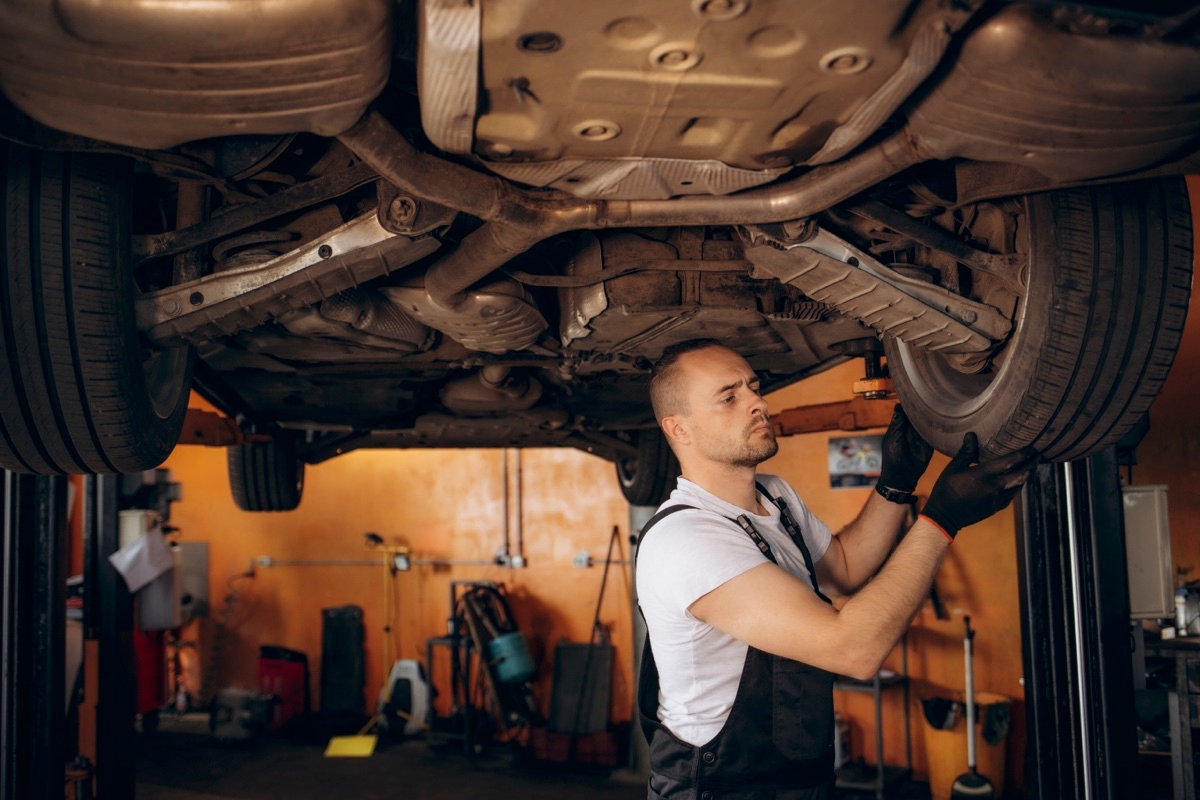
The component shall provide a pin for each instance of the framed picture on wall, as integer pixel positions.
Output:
(854, 461)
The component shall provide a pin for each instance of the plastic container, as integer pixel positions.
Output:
(511, 654)
(946, 749)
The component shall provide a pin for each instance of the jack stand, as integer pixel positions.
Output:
(875, 385)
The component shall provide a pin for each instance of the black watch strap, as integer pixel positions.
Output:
(895, 495)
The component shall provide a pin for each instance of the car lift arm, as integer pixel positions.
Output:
(857, 414)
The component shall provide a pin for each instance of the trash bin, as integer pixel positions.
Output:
(946, 739)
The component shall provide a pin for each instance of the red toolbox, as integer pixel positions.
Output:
(284, 673)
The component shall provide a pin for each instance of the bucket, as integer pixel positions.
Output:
(511, 656)
(946, 749)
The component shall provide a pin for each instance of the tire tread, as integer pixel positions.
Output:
(73, 395)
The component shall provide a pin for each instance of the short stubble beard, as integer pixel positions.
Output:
(756, 452)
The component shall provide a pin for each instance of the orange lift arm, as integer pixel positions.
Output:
(857, 414)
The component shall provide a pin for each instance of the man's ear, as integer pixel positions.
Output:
(675, 431)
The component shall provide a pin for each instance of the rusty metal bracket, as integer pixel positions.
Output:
(212, 430)
(401, 212)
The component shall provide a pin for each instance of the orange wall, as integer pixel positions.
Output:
(444, 504)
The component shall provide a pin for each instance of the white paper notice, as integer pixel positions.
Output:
(143, 559)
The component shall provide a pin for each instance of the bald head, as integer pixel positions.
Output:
(667, 395)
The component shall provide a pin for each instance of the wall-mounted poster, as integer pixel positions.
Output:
(855, 461)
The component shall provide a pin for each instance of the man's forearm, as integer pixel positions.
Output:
(867, 540)
(878, 614)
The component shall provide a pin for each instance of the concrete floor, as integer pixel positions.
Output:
(183, 762)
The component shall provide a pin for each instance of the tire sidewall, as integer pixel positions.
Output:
(156, 434)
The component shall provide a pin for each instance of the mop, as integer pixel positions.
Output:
(971, 784)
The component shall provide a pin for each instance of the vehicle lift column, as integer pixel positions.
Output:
(1074, 589)
(33, 574)
(108, 633)
(33, 701)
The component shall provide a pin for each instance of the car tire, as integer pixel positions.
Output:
(648, 478)
(79, 393)
(265, 476)
(1109, 275)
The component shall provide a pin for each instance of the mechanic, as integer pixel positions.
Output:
(736, 690)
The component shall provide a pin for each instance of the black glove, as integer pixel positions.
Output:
(965, 494)
(906, 454)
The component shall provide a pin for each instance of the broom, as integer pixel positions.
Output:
(970, 784)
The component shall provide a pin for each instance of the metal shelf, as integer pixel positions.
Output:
(863, 777)
(854, 777)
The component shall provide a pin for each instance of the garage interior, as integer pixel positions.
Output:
(397, 561)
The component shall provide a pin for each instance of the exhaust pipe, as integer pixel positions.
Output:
(517, 219)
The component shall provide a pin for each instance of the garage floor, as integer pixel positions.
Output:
(182, 762)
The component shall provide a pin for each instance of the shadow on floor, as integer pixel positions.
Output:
(183, 762)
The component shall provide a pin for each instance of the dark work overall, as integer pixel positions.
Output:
(777, 743)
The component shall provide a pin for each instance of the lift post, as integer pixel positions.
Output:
(1074, 590)
(33, 574)
(108, 622)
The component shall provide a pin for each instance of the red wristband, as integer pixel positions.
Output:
(949, 538)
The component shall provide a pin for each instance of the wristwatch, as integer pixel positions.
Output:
(895, 495)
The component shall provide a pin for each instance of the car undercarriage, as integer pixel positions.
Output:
(446, 224)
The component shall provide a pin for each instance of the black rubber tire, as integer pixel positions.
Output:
(265, 476)
(648, 478)
(75, 395)
(1110, 273)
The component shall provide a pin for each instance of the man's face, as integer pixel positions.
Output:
(726, 416)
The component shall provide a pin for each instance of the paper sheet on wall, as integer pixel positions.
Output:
(143, 559)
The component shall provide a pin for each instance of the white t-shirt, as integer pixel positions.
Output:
(683, 558)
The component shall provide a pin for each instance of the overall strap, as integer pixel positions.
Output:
(793, 530)
(744, 523)
(657, 518)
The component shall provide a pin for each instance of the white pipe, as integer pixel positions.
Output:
(1085, 726)
(519, 561)
(268, 561)
(504, 489)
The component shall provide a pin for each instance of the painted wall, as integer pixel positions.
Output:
(444, 504)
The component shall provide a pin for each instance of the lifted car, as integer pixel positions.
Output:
(367, 223)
